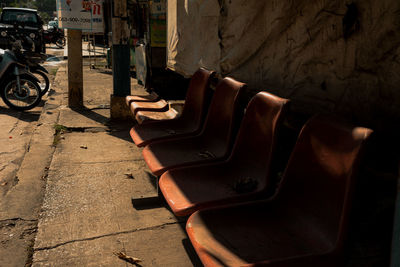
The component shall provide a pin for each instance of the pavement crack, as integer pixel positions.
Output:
(107, 235)
(15, 125)
(8, 152)
(107, 162)
(17, 219)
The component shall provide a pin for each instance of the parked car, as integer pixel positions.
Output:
(32, 26)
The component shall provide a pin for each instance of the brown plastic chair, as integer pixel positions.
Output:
(145, 117)
(305, 223)
(153, 97)
(244, 176)
(192, 117)
(160, 105)
(211, 144)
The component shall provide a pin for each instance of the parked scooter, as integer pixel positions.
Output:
(27, 56)
(54, 35)
(33, 60)
(19, 88)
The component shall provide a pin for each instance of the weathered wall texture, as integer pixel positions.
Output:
(326, 55)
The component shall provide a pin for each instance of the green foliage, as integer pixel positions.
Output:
(45, 17)
(59, 131)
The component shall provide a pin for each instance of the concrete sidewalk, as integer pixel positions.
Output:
(88, 213)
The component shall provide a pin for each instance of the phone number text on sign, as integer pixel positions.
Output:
(80, 20)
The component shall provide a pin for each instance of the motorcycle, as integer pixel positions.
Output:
(32, 60)
(19, 88)
(26, 55)
(54, 35)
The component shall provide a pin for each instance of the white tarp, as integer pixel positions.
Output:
(213, 36)
(192, 35)
(86, 15)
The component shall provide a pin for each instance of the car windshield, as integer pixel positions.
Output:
(20, 16)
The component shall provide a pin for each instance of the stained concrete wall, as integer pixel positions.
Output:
(326, 55)
(326, 58)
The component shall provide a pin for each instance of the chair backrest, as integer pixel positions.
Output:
(318, 184)
(198, 97)
(257, 135)
(224, 111)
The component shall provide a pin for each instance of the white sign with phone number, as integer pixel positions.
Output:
(85, 15)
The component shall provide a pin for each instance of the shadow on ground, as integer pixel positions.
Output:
(28, 116)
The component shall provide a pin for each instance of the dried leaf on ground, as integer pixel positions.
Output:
(126, 258)
(129, 176)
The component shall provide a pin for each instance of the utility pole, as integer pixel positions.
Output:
(120, 60)
(75, 68)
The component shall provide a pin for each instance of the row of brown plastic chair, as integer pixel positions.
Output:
(142, 98)
(150, 107)
(305, 223)
(211, 144)
(191, 120)
(245, 175)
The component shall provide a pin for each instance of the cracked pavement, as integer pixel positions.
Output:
(88, 204)
(108, 235)
(77, 198)
(91, 207)
(21, 186)
(25, 153)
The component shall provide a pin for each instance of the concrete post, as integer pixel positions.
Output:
(120, 60)
(75, 69)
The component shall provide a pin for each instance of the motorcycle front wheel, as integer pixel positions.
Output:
(60, 43)
(28, 98)
(44, 81)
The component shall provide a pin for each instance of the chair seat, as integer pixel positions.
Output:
(161, 130)
(251, 233)
(160, 105)
(151, 116)
(141, 98)
(189, 189)
(181, 152)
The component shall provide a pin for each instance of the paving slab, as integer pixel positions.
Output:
(101, 147)
(83, 118)
(88, 211)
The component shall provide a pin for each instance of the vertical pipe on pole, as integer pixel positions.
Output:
(120, 49)
(75, 69)
(120, 60)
